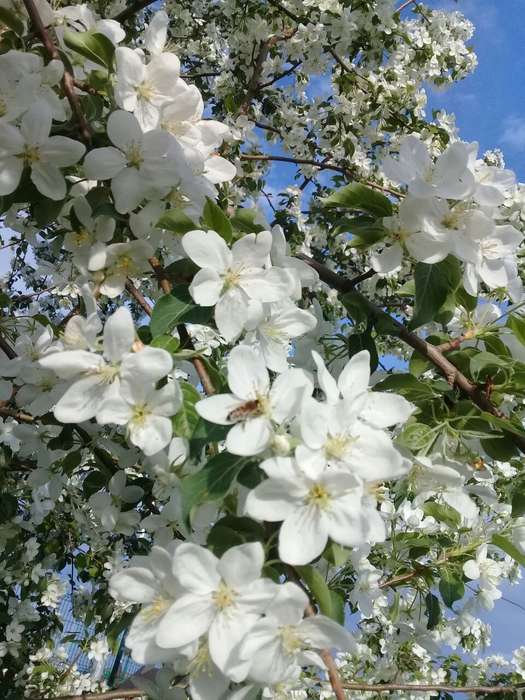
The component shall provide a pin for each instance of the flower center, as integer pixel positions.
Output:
(108, 373)
(81, 237)
(290, 640)
(125, 264)
(319, 497)
(140, 413)
(224, 596)
(201, 662)
(145, 90)
(231, 279)
(156, 609)
(134, 155)
(337, 446)
(30, 154)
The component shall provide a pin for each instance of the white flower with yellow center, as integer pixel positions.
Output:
(148, 581)
(331, 505)
(138, 165)
(222, 598)
(346, 431)
(283, 640)
(145, 411)
(31, 147)
(96, 377)
(230, 278)
(144, 88)
(254, 409)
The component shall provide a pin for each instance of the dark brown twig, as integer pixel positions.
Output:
(68, 82)
(451, 373)
(132, 9)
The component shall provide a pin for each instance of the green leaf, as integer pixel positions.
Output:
(433, 285)
(187, 418)
(244, 221)
(408, 386)
(362, 198)
(451, 587)
(503, 424)
(11, 20)
(518, 503)
(509, 548)
(177, 221)
(93, 482)
(204, 433)
(92, 45)
(212, 482)
(484, 363)
(363, 341)
(174, 308)
(214, 218)
(231, 530)
(336, 554)
(417, 436)
(8, 507)
(166, 342)
(365, 230)
(500, 447)
(433, 610)
(443, 513)
(517, 325)
(320, 591)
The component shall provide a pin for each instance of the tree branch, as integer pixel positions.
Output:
(185, 339)
(132, 9)
(122, 694)
(68, 82)
(451, 373)
(390, 687)
(321, 164)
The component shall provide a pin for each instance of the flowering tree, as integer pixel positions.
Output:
(271, 435)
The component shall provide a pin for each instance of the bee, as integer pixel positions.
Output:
(250, 409)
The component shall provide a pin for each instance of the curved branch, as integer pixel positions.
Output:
(390, 687)
(451, 373)
(68, 82)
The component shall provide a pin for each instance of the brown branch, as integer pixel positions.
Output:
(4, 345)
(123, 694)
(19, 416)
(132, 9)
(139, 297)
(390, 687)
(186, 341)
(451, 373)
(321, 165)
(455, 343)
(406, 4)
(68, 82)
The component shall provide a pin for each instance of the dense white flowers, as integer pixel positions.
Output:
(194, 448)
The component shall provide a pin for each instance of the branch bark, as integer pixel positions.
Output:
(122, 694)
(68, 82)
(132, 9)
(390, 687)
(185, 339)
(451, 373)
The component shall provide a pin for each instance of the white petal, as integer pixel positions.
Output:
(119, 334)
(81, 401)
(104, 163)
(250, 437)
(135, 584)
(188, 618)
(323, 633)
(48, 180)
(382, 410)
(196, 568)
(206, 287)
(148, 365)
(303, 536)
(247, 374)
(217, 408)
(207, 249)
(354, 378)
(269, 501)
(242, 564)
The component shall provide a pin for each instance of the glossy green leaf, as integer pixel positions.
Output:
(212, 482)
(176, 221)
(92, 45)
(509, 548)
(451, 587)
(361, 198)
(433, 283)
(177, 307)
(187, 418)
(215, 219)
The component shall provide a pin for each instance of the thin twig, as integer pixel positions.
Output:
(122, 694)
(321, 165)
(451, 373)
(4, 345)
(390, 687)
(19, 416)
(68, 82)
(132, 9)
(185, 339)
